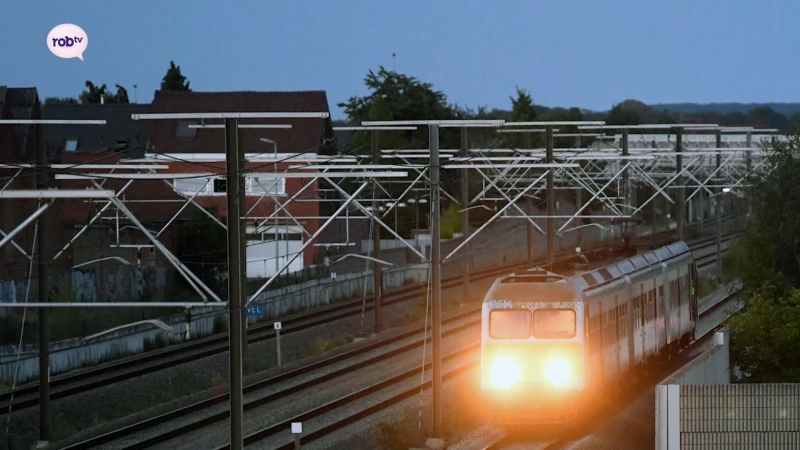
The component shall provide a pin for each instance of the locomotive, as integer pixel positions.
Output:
(551, 343)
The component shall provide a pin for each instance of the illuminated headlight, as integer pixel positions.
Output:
(504, 372)
(557, 371)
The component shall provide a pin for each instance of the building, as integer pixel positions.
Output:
(98, 149)
(17, 152)
(189, 148)
(95, 243)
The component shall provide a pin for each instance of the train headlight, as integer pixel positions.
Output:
(504, 372)
(557, 371)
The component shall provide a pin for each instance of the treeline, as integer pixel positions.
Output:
(99, 93)
(398, 96)
(766, 259)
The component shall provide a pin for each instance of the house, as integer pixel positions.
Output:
(17, 152)
(192, 150)
(107, 246)
(121, 138)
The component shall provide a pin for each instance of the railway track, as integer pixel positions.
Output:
(685, 356)
(205, 413)
(69, 384)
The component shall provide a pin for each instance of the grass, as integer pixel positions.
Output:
(399, 434)
(318, 346)
(459, 415)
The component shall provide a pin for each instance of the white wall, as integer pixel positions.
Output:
(261, 257)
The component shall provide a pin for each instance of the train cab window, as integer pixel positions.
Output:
(553, 323)
(510, 324)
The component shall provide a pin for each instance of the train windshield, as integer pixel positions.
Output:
(554, 323)
(510, 324)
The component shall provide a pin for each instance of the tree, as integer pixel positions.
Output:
(173, 80)
(764, 338)
(100, 94)
(628, 112)
(522, 108)
(396, 96)
(767, 261)
(450, 221)
(407, 97)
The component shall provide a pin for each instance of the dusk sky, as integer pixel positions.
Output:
(583, 53)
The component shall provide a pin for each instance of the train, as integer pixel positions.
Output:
(551, 344)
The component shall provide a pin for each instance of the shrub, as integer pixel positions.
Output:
(318, 346)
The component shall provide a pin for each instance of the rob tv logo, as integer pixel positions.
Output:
(67, 41)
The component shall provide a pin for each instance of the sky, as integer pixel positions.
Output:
(584, 53)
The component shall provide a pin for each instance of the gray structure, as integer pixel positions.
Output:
(698, 409)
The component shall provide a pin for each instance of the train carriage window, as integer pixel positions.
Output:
(510, 324)
(553, 323)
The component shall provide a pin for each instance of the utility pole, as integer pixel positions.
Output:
(436, 281)
(376, 237)
(551, 201)
(465, 215)
(679, 209)
(526, 143)
(43, 182)
(235, 300)
(717, 210)
(242, 166)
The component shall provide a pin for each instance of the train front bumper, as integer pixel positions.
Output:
(532, 405)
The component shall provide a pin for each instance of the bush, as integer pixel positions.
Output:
(318, 346)
(396, 434)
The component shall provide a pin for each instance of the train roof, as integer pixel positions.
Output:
(517, 286)
(636, 263)
(540, 285)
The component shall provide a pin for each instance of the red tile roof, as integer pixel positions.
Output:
(305, 134)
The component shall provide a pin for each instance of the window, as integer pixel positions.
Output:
(70, 145)
(553, 323)
(220, 185)
(510, 324)
(182, 130)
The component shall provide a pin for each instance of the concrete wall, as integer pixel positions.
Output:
(698, 408)
(76, 353)
(109, 283)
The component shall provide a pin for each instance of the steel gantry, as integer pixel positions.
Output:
(604, 171)
(686, 164)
